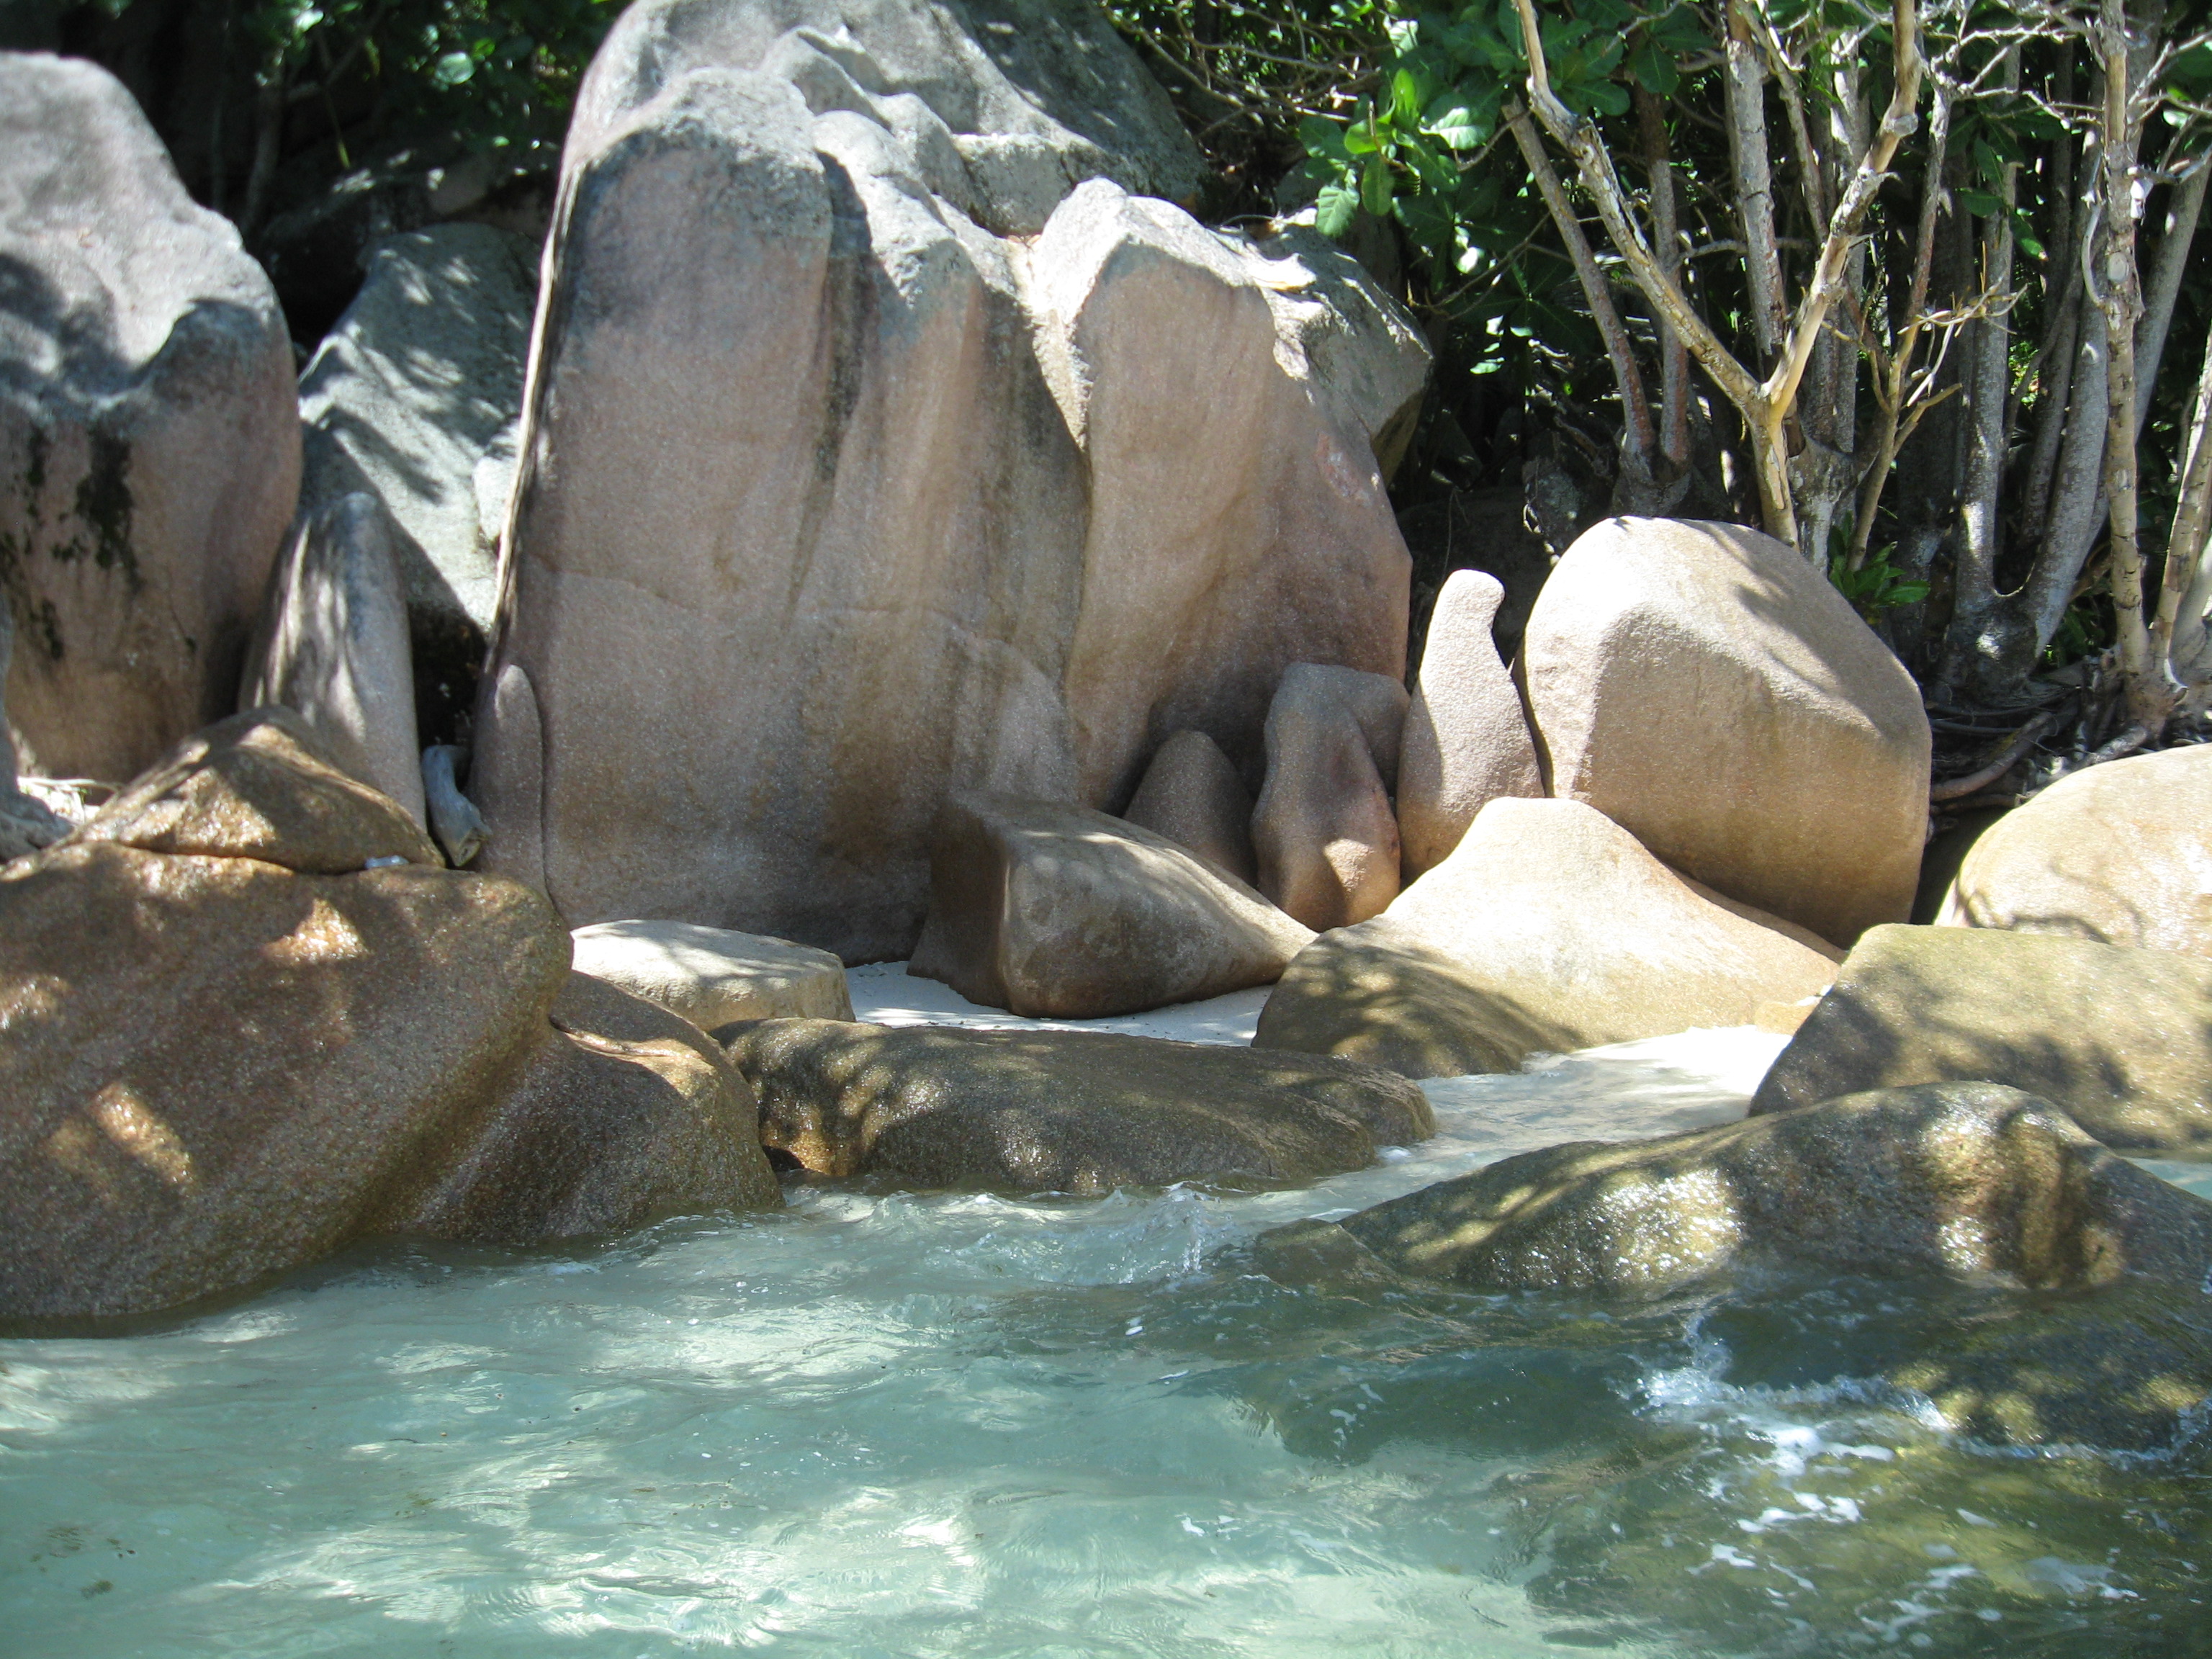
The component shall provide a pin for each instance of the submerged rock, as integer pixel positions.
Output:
(1713, 694)
(2119, 1038)
(1548, 929)
(1057, 913)
(149, 443)
(1062, 1111)
(332, 647)
(1032, 469)
(711, 976)
(1961, 1179)
(1191, 794)
(2121, 854)
(1323, 829)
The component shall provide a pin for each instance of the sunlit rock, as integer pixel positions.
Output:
(1191, 794)
(1466, 738)
(711, 976)
(1323, 830)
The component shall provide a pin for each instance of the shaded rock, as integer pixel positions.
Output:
(1965, 1179)
(1485, 531)
(2121, 854)
(1713, 694)
(149, 450)
(976, 533)
(1063, 1111)
(1192, 795)
(1054, 911)
(26, 823)
(620, 1114)
(1323, 830)
(1547, 929)
(257, 786)
(711, 976)
(419, 384)
(332, 647)
(1467, 738)
(454, 820)
(2119, 1038)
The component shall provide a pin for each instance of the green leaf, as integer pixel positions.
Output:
(1335, 208)
(454, 69)
(1655, 70)
(1375, 186)
(1324, 139)
(1405, 99)
(1980, 203)
(1455, 126)
(1361, 137)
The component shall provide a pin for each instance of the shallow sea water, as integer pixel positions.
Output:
(899, 1423)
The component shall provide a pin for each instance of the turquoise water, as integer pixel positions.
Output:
(901, 1425)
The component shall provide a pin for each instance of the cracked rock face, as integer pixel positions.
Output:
(149, 446)
(887, 436)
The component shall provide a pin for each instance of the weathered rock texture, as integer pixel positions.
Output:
(1549, 928)
(711, 976)
(415, 397)
(1711, 692)
(149, 447)
(1323, 829)
(332, 647)
(25, 822)
(2121, 1038)
(2121, 853)
(1193, 795)
(994, 513)
(232, 1047)
(1058, 912)
(1962, 1178)
(1063, 1111)
(1467, 738)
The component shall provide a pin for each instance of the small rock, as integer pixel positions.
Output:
(2119, 1038)
(1466, 738)
(1547, 929)
(711, 976)
(2121, 854)
(1192, 795)
(1058, 913)
(454, 820)
(1063, 1111)
(1324, 830)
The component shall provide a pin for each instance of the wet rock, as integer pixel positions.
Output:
(1054, 911)
(1192, 795)
(417, 386)
(1547, 929)
(1323, 830)
(1063, 1111)
(2121, 854)
(1045, 469)
(1965, 1179)
(149, 450)
(1711, 692)
(711, 976)
(1466, 738)
(332, 647)
(621, 1112)
(2120, 1038)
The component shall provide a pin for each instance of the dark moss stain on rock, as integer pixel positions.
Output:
(103, 502)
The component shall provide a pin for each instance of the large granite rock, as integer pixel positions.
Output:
(250, 1017)
(149, 447)
(332, 647)
(1029, 476)
(1323, 830)
(1713, 694)
(1547, 928)
(1063, 1111)
(2121, 854)
(26, 823)
(1466, 738)
(710, 977)
(1968, 1179)
(2121, 1038)
(415, 397)
(1059, 913)
(1191, 793)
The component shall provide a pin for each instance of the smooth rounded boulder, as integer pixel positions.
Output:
(2118, 1037)
(1063, 1111)
(1058, 913)
(1714, 695)
(1191, 793)
(712, 976)
(1548, 929)
(1323, 830)
(2121, 854)
(148, 432)
(1467, 737)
